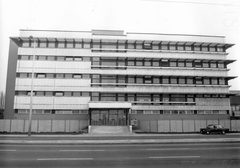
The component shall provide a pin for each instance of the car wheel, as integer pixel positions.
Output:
(223, 132)
(208, 132)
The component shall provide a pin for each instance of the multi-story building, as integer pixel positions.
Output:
(111, 77)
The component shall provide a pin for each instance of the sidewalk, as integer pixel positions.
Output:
(148, 139)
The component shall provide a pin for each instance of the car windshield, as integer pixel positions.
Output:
(219, 126)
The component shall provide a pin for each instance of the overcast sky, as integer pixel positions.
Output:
(202, 17)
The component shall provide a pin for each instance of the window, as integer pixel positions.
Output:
(165, 63)
(69, 44)
(48, 93)
(131, 97)
(121, 97)
(76, 94)
(59, 75)
(22, 93)
(167, 111)
(147, 46)
(143, 97)
(221, 81)
(25, 44)
(121, 79)
(85, 94)
(219, 49)
(41, 58)
(68, 94)
(147, 62)
(121, 45)
(139, 62)
(205, 65)
(196, 48)
(60, 58)
(198, 64)
(181, 63)
(78, 59)
(130, 46)
(173, 63)
(50, 58)
(188, 48)
(23, 75)
(43, 44)
(204, 48)
(178, 98)
(95, 61)
(213, 64)
(165, 98)
(155, 63)
(78, 44)
(108, 97)
(139, 80)
(173, 80)
(156, 98)
(189, 64)
(68, 76)
(109, 79)
(181, 80)
(189, 81)
(41, 75)
(148, 79)
(131, 63)
(69, 58)
(156, 80)
(40, 93)
(165, 80)
(78, 76)
(155, 47)
(61, 44)
(97, 45)
(25, 57)
(212, 49)
(86, 45)
(180, 47)
(108, 62)
(131, 79)
(220, 65)
(51, 44)
(206, 81)
(214, 81)
(58, 93)
(164, 47)
(190, 98)
(199, 81)
(172, 47)
(95, 78)
(109, 45)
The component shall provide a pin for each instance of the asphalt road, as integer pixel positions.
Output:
(121, 156)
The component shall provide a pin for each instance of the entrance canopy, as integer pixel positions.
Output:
(110, 105)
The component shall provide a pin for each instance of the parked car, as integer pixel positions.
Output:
(214, 128)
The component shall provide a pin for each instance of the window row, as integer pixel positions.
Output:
(179, 112)
(150, 62)
(115, 63)
(53, 75)
(40, 111)
(96, 96)
(109, 79)
(53, 58)
(124, 45)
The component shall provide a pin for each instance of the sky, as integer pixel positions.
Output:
(201, 17)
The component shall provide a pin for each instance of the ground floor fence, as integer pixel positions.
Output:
(68, 126)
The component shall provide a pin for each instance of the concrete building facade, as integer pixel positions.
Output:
(112, 77)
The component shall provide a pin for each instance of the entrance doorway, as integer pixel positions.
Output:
(108, 116)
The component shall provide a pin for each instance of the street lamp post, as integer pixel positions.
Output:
(31, 98)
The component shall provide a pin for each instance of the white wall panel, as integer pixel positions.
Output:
(212, 122)
(188, 126)
(163, 126)
(72, 82)
(225, 123)
(34, 126)
(5, 125)
(44, 126)
(17, 126)
(176, 125)
(200, 124)
(58, 125)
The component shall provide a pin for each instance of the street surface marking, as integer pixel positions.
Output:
(169, 149)
(7, 150)
(173, 157)
(82, 150)
(45, 159)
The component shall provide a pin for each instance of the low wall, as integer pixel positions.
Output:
(146, 126)
(184, 125)
(43, 125)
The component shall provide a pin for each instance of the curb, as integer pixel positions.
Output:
(114, 142)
